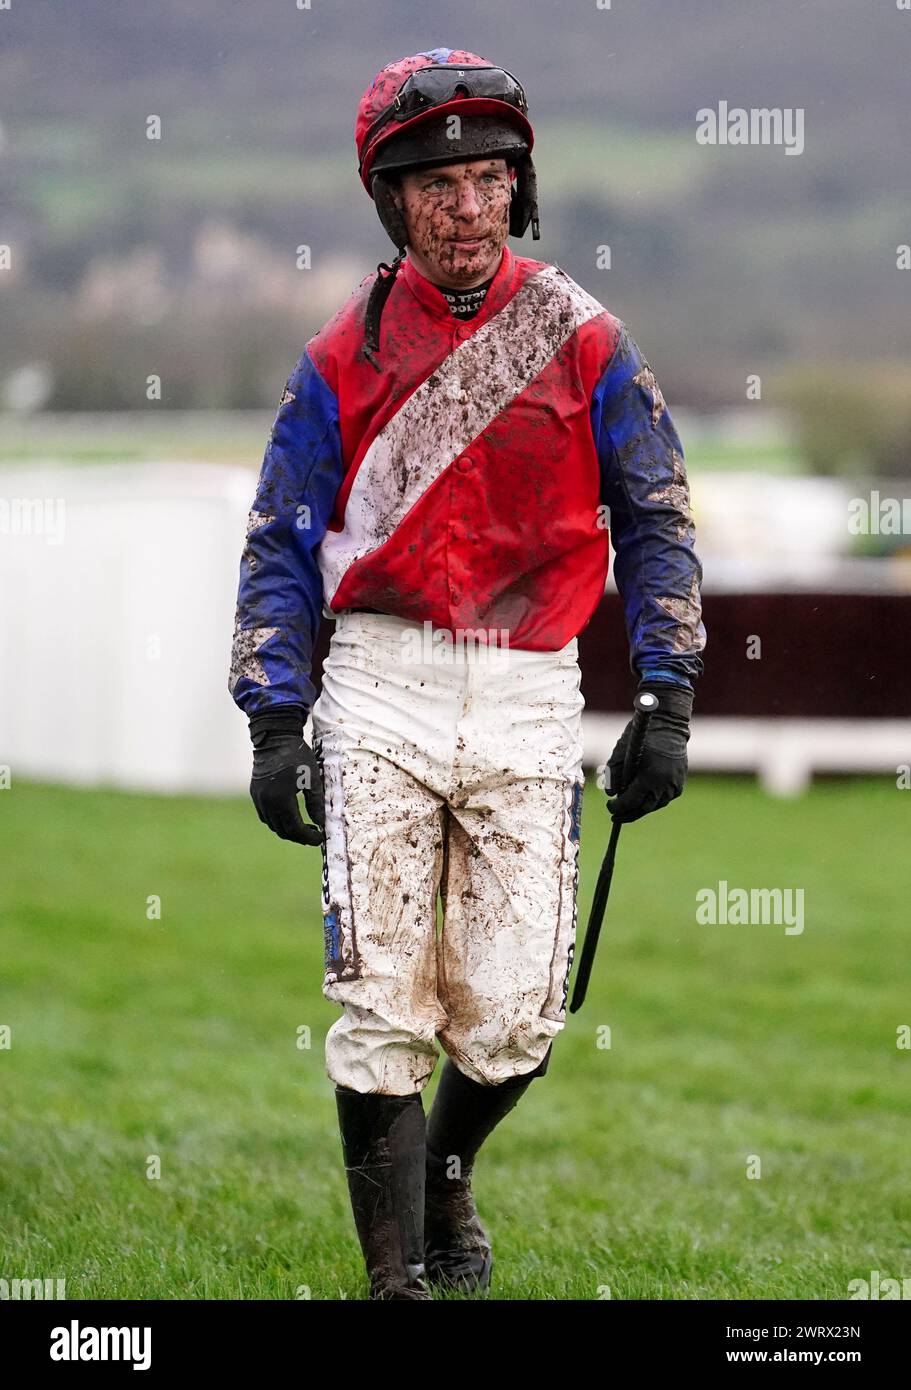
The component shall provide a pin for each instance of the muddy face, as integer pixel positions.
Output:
(457, 216)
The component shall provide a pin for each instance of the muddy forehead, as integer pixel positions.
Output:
(491, 166)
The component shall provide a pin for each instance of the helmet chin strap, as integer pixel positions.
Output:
(379, 293)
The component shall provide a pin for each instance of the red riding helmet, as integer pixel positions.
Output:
(402, 124)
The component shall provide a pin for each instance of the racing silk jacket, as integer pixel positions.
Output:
(469, 483)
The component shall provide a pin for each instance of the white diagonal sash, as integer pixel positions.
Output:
(475, 384)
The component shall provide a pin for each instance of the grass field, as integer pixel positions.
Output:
(239, 436)
(623, 1168)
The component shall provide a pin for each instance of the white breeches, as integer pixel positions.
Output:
(453, 771)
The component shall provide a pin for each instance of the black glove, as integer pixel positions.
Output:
(283, 766)
(661, 773)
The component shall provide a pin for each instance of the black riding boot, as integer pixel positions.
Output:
(457, 1251)
(385, 1154)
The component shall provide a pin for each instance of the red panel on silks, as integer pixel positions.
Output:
(472, 484)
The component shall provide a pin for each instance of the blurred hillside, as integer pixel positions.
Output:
(132, 257)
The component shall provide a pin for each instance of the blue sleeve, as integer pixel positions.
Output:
(280, 595)
(644, 486)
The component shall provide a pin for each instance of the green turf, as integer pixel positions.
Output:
(624, 1168)
(713, 456)
(207, 436)
(240, 436)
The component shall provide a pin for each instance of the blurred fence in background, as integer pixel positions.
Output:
(119, 583)
(116, 623)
